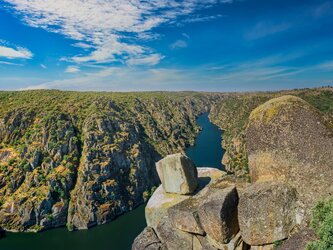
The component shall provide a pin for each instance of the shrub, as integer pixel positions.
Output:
(322, 224)
(69, 227)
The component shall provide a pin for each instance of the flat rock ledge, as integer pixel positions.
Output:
(160, 202)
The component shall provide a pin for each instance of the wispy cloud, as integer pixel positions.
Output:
(10, 63)
(14, 52)
(72, 69)
(187, 36)
(126, 79)
(147, 60)
(206, 77)
(105, 26)
(323, 9)
(199, 18)
(266, 28)
(328, 65)
(179, 44)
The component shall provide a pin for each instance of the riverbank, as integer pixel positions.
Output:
(120, 233)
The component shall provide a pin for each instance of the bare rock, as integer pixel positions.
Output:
(178, 174)
(158, 205)
(299, 240)
(184, 216)
(147, 240)
(264, 247)
(201, 243)
(266, 213)
(218, 215)
(289, 140)
(173, 238)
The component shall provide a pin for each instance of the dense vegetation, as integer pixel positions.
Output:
(84, 158)
(322, 224)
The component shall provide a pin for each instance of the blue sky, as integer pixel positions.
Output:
(211, 45)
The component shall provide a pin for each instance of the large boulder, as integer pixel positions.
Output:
(265, 247)
(213, 211)
(267, 212)
(178, 174)
(184, 216)
(202, 243)
(289, 140)
(218, 215)
(158, 205)
(172, 237)
(147, 240)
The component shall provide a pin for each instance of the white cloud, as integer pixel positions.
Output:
(43, 66)
(198, 18)
(179, 44)
(72, 69)
(148, 60)
(10, 63)
(125, 79)
(255, 75)
(111, 29)
(82, 45)
(15, 53)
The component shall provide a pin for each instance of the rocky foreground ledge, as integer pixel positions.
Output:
(289, 145)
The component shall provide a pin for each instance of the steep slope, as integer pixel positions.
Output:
(289, 147)
(84, 158)
(232, 115)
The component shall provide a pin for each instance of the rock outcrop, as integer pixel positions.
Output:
(184, 216)
(160, 202)
(288, 140)
(291, 167)
(218, 215)
(177, 174)
(172, 237)
(147, 240)
(207, 219)
(267, 213)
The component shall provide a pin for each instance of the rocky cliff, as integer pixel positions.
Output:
(83, 158)
(289, 146)
(232, 115)
(289, 140)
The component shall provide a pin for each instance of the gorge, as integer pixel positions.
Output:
(83, 159)
(120, 233)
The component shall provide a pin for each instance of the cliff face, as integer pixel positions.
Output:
(83, 158)
(289, 146)
(232, 115)
(289, 140)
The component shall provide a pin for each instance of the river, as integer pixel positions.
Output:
(119, 234)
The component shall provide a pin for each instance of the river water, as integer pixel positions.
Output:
(119, 234)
